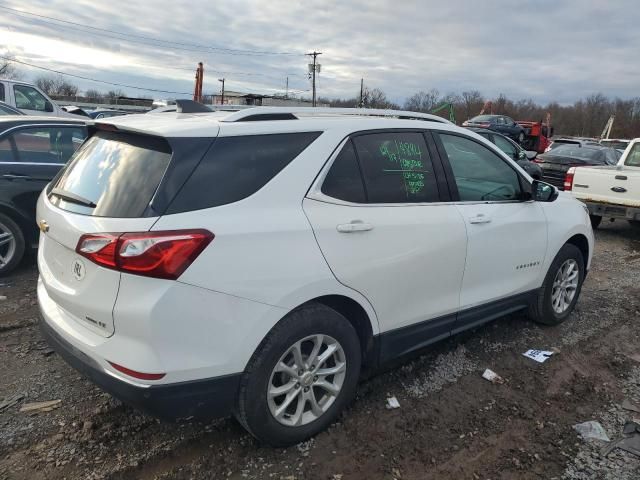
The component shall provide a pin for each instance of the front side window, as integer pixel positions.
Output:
(480, 174)
(500, 121)
(47, 144)
(506, 146)
(29, 98)
(396, 167)
(344, 181)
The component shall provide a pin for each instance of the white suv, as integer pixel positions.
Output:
(256, 263)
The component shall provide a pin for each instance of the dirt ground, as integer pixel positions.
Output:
(451, 424)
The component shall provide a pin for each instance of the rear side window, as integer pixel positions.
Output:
(396, 167)
(47, 144)
(29, 98)
(1, 92)
(237, 167)
(112, 175)
(344, 181)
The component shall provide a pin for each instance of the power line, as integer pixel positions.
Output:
(124, 85)
(177, 45)
(91, 79)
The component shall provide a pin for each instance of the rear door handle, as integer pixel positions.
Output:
(354, 226)
(11, 176)
(480, 218)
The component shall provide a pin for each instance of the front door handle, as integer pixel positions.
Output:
(480, 218)
(11, 176)
(354, 226)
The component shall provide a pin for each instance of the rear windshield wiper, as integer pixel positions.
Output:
(72, 198)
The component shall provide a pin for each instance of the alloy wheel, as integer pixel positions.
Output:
(306, 380)
(7, 245)
(565, 286)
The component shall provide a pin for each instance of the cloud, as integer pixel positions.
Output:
(545, 50)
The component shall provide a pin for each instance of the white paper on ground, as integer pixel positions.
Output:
(591, 429)
(492, 376)
(392, 402)
(539, 356)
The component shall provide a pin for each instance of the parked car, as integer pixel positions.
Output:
(29, 99)
(616, 143)
(610, 191)
(75, 110)
(9, 110)
(558, 161)
(32, 151)
(257, 262)
(499, 123)
(575, 142)
(513, 150)
(106, 113)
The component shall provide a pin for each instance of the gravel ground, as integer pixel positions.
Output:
(451, 424)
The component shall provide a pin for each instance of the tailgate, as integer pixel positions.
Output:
(86, 291)
(608, 184)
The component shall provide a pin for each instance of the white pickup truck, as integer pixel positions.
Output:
(610, 191)
(29, 98)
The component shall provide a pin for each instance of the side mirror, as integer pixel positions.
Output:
(48, 107)
(543, 192)
(530, 154)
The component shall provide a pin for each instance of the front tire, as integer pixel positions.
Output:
(301, 376)
(559, 293)
(12, 244)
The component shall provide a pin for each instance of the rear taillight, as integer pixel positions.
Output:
(164, 254)
(568, 179)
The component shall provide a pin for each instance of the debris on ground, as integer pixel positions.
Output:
(627, 405)
(392, 403)
(11, 401)
(539, 356)
(492, 376)
(2, 298)
(40, 407)
(591, 430)
(631, 428)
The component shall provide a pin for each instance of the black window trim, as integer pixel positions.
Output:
(525, 185)
(17, 128)
(315, 190)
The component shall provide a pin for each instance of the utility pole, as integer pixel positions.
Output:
(286, 94)
(222, 96)
(197, 91)
(314, 67)
(361, 105)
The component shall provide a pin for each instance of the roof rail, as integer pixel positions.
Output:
(284, 113)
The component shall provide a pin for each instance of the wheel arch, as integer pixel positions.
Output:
(358, 317)
(580, 241)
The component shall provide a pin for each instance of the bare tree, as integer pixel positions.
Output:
(8, 68)
(56, 85)
(423, 101)
(93, 95)
(472, 102)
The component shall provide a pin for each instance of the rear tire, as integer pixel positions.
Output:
(595, 221)
(282, 403)
(12, 244)
(559, 293)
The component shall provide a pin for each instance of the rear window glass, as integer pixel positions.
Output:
(117, 173)
(237, 167)
(584, 153)
(633, 158)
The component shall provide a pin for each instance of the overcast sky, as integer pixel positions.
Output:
(544, 49)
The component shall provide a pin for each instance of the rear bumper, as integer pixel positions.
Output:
(210, 398)
(610, 210)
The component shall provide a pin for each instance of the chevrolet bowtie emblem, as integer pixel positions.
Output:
(44, 226)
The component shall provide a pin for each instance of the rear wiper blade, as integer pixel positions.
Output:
(72, 197)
